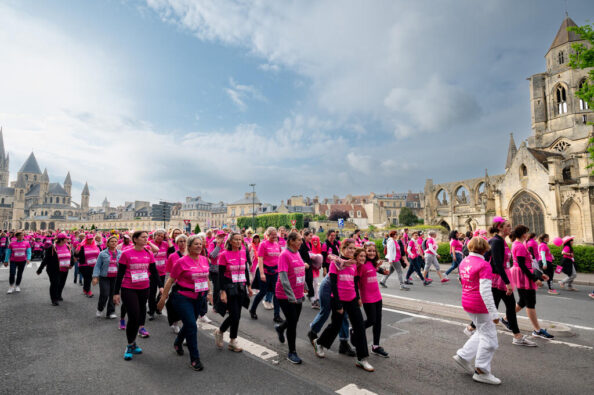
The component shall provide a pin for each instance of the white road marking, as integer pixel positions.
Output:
(353, 389)
(587, 328)
(574, 345)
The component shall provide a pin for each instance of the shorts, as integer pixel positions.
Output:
(527, 298)
(431, 260)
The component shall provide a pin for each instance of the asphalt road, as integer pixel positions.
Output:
(66, 350)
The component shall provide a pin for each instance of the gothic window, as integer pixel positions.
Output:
(583, 104)
(567, 174)
(560, 100)
(561, 146)
(525, 210)
(561, 57)
(462, 195)
(442, 197)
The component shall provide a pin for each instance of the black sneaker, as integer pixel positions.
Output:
(151, 317)
(379, 351)
(178, 349)
(407, 282)
(294, 358)
(60, 299)
(196, 365)
(425, 283)
(383, 285)
(278, 319)
(312, 336)
(253, 315)
(55, 303)
(280, 332)
(505, 324)
(346, 349)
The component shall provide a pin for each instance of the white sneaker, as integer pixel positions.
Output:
(319, 350)
(523, 341)
(98, 314)
(464, 364)
(268, 306)
(365, 365)
(404, 288)
(486, 378)
(17, 289)
(10, 290)
(113, 316)
(175, 329)
(205, 319)
(218, 335)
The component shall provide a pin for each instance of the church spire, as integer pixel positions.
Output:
(511, 151)
(563, 35)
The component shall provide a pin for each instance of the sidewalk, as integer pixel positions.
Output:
(586, 279)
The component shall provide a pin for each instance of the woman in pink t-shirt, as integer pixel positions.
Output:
(345, 298)
(290, 292)
(134, 267)
(477, 300)
(368, 265)
(87, 258)
(568, 263)
(190, 276)
(268, 254)
(455, 251)
(546, 261)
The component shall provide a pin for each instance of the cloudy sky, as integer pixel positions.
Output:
(162, 99)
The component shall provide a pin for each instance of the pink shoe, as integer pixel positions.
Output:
(122, 324)
(143, 333)
(553, 292)
(445, 280)
(428, 280)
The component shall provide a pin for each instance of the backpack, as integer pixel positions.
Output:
(424, 245)
(465, 250)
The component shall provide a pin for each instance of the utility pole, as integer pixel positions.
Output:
(253, 205)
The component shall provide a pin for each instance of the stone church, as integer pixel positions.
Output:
(547, 185)
(32, 202)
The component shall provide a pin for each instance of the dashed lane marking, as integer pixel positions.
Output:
(353, 389)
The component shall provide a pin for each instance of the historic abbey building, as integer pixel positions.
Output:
(546, 184)
(31, 202)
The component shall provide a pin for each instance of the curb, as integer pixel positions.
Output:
(450, 311)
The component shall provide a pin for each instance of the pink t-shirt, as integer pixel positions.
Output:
(532, 247)
(91, 253)
(112, 269)
(282, 243)
(368, 285)
(543, 247)
(430, 246)
(292, 264)
(345, 282)
(567, 250)
(191, 274)
(456, 245)
(414, 249)
(472, 270)
(161, 258)
(170, 261)
(269, 251)
(137, 268)
(233, 263)
(64, 254)
(520, 280)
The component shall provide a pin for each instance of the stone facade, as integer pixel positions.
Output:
(547, 185)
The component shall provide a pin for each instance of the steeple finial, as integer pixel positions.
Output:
(511, 151)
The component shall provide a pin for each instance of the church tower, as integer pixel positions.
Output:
(4, 170)
(18, 207)
(84, 200)
(559, 117)
(44, 184)
(68, 185)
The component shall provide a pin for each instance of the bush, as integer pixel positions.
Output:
(275, 220)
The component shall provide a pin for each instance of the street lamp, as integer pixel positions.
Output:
(253, 205)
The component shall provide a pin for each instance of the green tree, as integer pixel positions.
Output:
(582, 57)
(407, 217)
(93, 227)
(197, 229)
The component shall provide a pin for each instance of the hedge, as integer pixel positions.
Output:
(275, 220)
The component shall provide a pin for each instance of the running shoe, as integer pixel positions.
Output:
(143, 333)
(98, 314)
(591, 295)
(552, 292)
(175, 329)
(136, 349)
(128, 353)
(312, 336)
(404, 287)
(218, 335)
(294, 358)
(234, 346)
(280, 332)
(89, 294)
(253, 315)
(18, 289)
(365, 365)
(204, 319)
(543, 334)
(429, 280)
(379, 351)
(278, 319)
(112, 316)
(268, 305)
(486, 378)
(10, 290)
(345, 349)
(445, 280)
(122, 324)
(151, 317)
(468, 332)
(318, 349)
(523, 341)
(315, 305)
(464, 364)
(408, 282)
(179, 349)
(425, 283)
(55, 303)
(505, 324)
(196, 365)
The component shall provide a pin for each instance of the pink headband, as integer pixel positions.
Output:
(498, 219)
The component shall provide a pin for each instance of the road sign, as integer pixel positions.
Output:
(186, 222)
(341, 222)
(293, 222)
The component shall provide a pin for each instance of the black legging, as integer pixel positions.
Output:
(510, 308)
(549, 271)
(57, 281)
(87, 273)
(309, 282)
(135, 302)
(292, 311)
(154, 295)
(373, 312)
(234, 304)
(358, 339)
(16, 268)
(415, 266)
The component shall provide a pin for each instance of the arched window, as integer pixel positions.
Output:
(442, 197)
(561, 100)
(561, 57)
(523, 171)
(462, 195)
(526, 210)
(583, 103)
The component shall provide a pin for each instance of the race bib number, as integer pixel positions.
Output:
(300, 280)
(139, 276)
(19, 253)
(372, 279)
(238, 277)
(159, 263)
(64, 264)
(112, 269)
(201, 286)
(91, 262)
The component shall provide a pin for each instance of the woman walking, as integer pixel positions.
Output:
(87, 258)
(104, 274)
(455, 251)
(58, 260)
(546, 261)
(568, 264)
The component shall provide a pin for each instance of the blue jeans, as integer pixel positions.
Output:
(456, 260)
(77, 274)
(266, 287)
(324, 293)
(188, 310)
(268, 297)
(415, 266)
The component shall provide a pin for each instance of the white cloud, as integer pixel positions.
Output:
(269, 67)
(239, 94)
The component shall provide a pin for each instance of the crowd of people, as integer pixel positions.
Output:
(183, 274)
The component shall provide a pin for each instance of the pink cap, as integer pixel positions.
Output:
(61, 236)
(558, 241)
(498, 219)
(567, 238)
(221, 233)
(90, 236)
